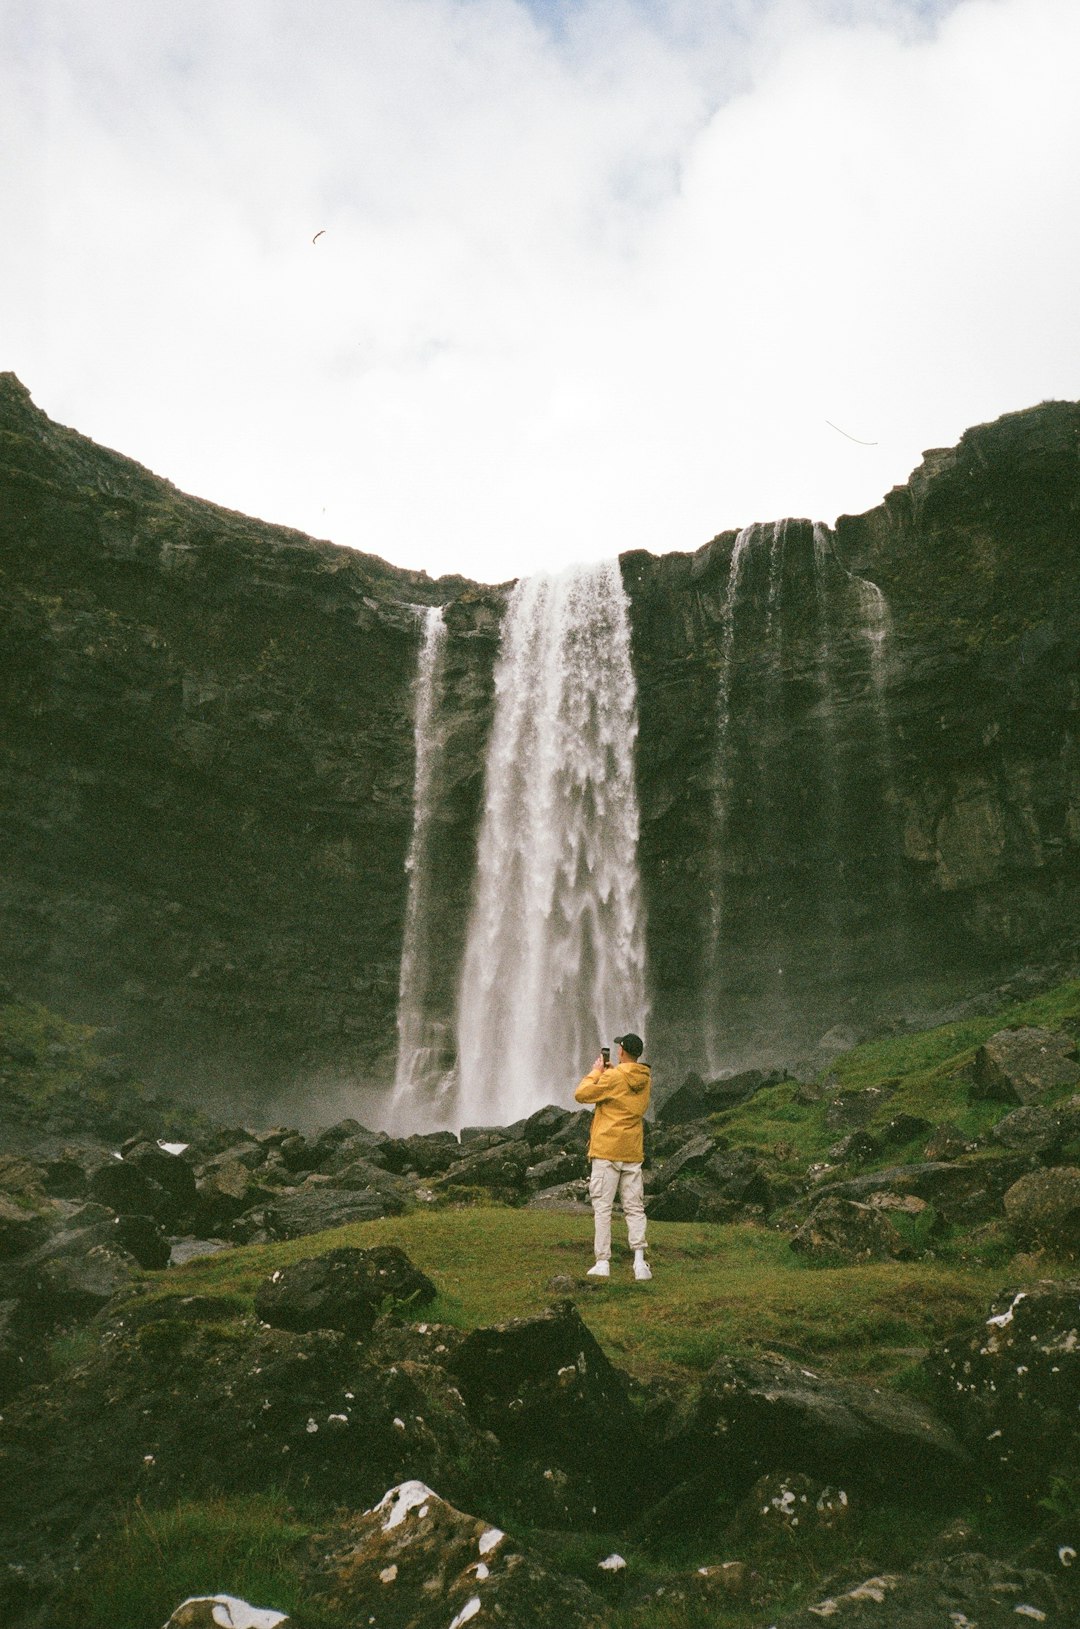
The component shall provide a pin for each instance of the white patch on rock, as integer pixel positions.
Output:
(174, 1148)
(232, 1613)
(399, 1424)
(1002, 1318)
(397, 1503)
(481, 1569)
(488, 1540)
(614, 1563)
(312, 1427)
(388, 1574)
(1030, 1612)
(467, 1613)
(1066, 1555)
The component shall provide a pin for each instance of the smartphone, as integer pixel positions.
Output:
(605, 1053)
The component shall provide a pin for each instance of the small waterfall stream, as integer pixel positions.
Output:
(418, 1055)
(555, 951)
(804, 871)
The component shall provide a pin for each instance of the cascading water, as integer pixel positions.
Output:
(555, 952)
(805, 879)
(419, 1054)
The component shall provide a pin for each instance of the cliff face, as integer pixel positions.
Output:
(892, 810)
(857, 767)
(206, 749)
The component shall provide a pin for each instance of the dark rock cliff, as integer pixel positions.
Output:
(206, 749)
(858, 761)
(857, 767)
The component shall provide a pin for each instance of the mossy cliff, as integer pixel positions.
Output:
(862, 804)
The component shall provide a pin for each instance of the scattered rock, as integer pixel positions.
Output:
(695, 1100)
(1011, 1385)
(851, 1231)
(783, 1509)
(1023, 1065)
(416, 1562)
(968, 1591)
(345, 1289)
(1043, 1209)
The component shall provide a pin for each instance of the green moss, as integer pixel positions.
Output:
(249, 1546)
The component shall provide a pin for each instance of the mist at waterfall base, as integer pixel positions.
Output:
(554, 953)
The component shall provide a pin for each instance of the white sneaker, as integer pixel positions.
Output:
(642, 1270)
(599, 1269)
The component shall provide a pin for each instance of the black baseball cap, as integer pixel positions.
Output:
(631, 1043)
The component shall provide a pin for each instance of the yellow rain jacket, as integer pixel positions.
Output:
(621, 1095)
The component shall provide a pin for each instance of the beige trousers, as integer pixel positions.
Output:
(608, 1179)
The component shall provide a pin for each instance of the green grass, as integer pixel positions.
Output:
(925, 1074)
(251, 1546)
(715, 1290)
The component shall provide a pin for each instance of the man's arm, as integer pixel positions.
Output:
(594, 1088)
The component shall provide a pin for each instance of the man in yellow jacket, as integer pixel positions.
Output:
(616, 1148)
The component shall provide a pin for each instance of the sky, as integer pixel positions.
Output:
(488, 286)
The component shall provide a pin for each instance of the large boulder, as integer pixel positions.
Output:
(345, 1289)
(546, 1389)
(415, 1562)
(174, 1177)
(1011, 1386)
(757, 1415)
(428, 1153)
(843, 1229)
(963, 1192)
(313, 1210)
(1043, 1209)
(1023, 1065)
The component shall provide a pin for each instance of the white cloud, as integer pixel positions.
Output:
(593, 275)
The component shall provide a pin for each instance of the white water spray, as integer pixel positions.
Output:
(555, 953)
(418, 1064)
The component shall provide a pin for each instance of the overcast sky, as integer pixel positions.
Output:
(591, 274)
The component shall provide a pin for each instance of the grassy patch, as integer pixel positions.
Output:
(715, 1290)
(250, 1546)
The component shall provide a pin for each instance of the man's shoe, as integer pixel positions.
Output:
(642, 1270)
(599, 1269)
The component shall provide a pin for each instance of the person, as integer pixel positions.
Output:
(620, 1093)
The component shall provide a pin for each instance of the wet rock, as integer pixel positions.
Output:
(569, 1197)
(550, 1173)
(691, 1157)
(312, 1210)
(845, 1229)
(847, 1111)
(945, 1142)
(857, 1148)
(783, 1509)
(428, 1154)
(22, 1227)
(962, 1192)
(1023, 1065)
(695, 1099)
(1043, 1209)
(174, 1178)
(1034, 1129)
(546, 1389)
(226, 1191)
(500, 1169)
(126, 1189)
(1011, 1385)
(343, 1289)
(753, 1416)
(416, 1562)
(169, 1405)
(968, 1591)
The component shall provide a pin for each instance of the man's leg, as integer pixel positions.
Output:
(603, 1186)
(632, 1194)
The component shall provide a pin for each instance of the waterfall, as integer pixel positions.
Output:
(804, 879)
(555, 950)
(419, 1064)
